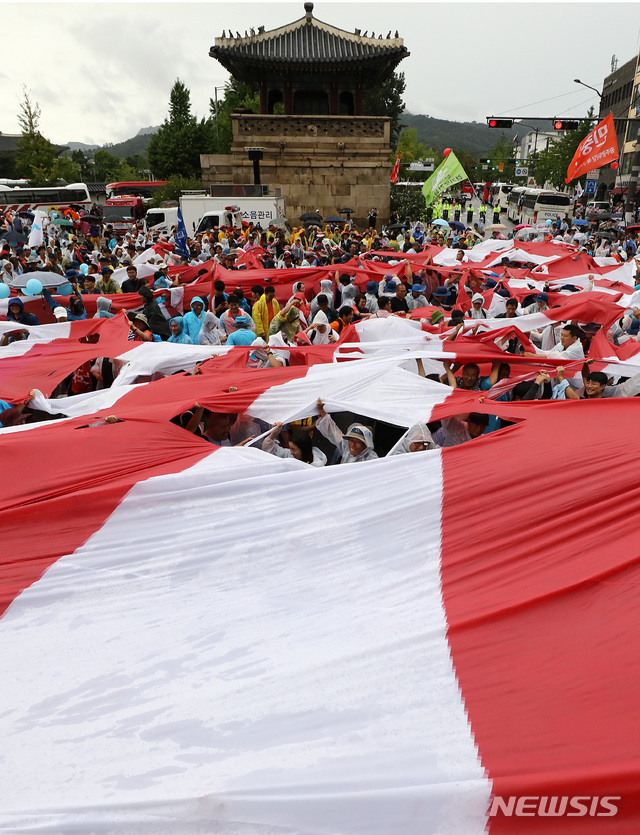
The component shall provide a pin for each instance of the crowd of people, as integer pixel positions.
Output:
(227, 316)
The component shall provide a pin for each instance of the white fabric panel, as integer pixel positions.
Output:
(164, 357)
(376, 389)
(80, 404)
(37, 333)
(144, 271)
(218, 659)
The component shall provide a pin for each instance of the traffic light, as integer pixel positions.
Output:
(499, 123)
(566, 124)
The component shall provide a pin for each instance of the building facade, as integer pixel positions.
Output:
(617, 89)
(316, 145)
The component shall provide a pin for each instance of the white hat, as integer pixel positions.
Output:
(60, 312)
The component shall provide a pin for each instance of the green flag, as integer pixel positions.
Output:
(447, 174)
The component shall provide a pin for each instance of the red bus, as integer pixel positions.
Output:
(143, 188)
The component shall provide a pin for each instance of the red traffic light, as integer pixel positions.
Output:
(499, 123)
(565, 124)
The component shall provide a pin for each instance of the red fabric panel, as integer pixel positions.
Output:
(47, 363)
(540, 574)
(88, 473)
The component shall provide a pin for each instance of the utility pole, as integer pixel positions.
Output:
(630, 204)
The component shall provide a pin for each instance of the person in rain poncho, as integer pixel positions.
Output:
(326, 289)
(287, 321)
(355, 445)
(416, 439)
(103, 306)
(476, 311)
(320, 332)
(300, 447)
(209, 333)
(178, 333)
(192, 321)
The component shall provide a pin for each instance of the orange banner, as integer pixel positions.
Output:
(598, 148)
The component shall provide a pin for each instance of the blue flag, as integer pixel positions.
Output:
(181, 237)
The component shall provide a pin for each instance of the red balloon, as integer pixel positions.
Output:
(615, 165)
(447, 151)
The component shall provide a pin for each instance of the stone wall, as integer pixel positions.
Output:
(318, 162)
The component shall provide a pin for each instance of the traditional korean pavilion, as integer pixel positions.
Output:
(310, 67)
(316, 147)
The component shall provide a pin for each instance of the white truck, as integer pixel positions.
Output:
(161, 220)
(201, 212)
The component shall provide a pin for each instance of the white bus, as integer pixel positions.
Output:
(514, 203)
(499, 194)
(52, 197)
(539, 205)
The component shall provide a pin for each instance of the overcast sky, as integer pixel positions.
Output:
(101, 71)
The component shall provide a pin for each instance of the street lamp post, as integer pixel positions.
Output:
(215, 94)
(577, 81)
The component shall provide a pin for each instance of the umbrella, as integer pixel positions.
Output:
(346, 211)
(12, 237)
(610, 236)
(616, 216)
(334, 219)
(522, 226)
(396, 226)
(600, 216)
(91, 219)
(278, 221)
(634, 228)
(455, 224)
(47, 279)
(439, 222)
(60, 221)
(494, 226)
(27, 214)
(580, 222)
(311, 217)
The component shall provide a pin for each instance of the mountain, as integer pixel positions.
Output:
(468, 136)
(441, 133)
(81, 146)
(138, 144)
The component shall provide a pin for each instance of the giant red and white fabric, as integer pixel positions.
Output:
(200, 639)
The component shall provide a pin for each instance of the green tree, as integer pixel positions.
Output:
(237, 94)
(500, 153)
(176, 147)
(106, 166)
(551, 164)
(84, 166)
(35, 156)
(386, 100)
(407, 201)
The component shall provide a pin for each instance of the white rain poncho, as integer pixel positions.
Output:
(417, 434)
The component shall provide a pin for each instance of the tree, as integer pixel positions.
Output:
(407, 201)
(386, 100)
(106, 166)
(36, 156)
(84, 166)
(176, 147)
(237, 94)
(552, 163)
